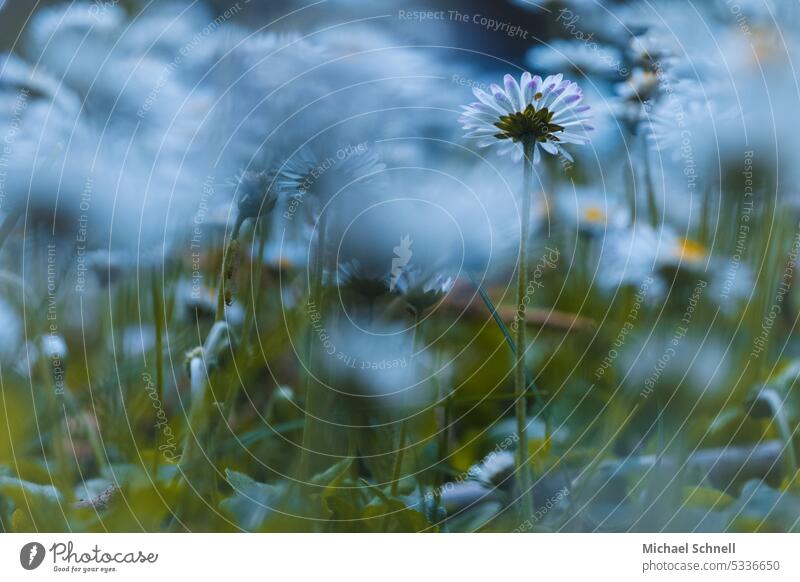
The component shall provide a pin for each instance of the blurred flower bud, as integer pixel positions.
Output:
(256, 194)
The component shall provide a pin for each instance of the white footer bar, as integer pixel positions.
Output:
(352, 557)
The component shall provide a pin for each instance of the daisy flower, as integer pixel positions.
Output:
(633, 95)
(525, 118)
(200, 303)
(597, 59)
(667, 122)
(10, 331)
(419, 291)
(544, 113)
(663, 257)
(651, 50)
(256, 193)
(367, 282)
(629, 257)
(592, 213)
(681, 252)
(323, 177)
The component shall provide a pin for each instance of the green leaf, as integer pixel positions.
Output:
(333, 475)
(39, 506)
(706, 498)
(764, 509)
(252, 503)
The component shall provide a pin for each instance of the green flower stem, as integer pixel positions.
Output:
(789, 455)
(229, 259)
(487, 301)
(206, 364)
(234, 383)
(520, 387)
(10, 222)
(652, 203)
(629, 179)
(197, 380)
(158, 312)
(661, 436)
(92, 430)
(444, 448)
(233, 377)
(398, 461)
(72, 408)
(255, 295)
(311, 384)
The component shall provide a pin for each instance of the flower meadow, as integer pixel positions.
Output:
(349, 266)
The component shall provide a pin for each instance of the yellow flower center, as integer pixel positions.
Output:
(594, 215)
(765, 46)
(691, 251)
(535, 124)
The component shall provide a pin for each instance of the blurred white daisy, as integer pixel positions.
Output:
(199, 302)
(367, 281)
(635, 95)
(629, 257)
(668, 121)
(652, 50)
(682, 252)
(135, 340)
(10, 330)
(547, 112)
(700, 367)
(557, 4)
(419, 291)
(284, 252)
(632, 255)
(591, 214)
(256, 193)
(325, 176)
(580, 57)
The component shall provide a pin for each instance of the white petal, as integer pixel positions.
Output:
(555, 79)
(566, 137)
(571, 90)
(549, 147)
(529, 91)
(506, 146)
(482, 132)
(523, 89)
(579, 110)
(513, 92)
(581, 122)
(482, 108)
(503, 101)
(480, 116)
(487, 100)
